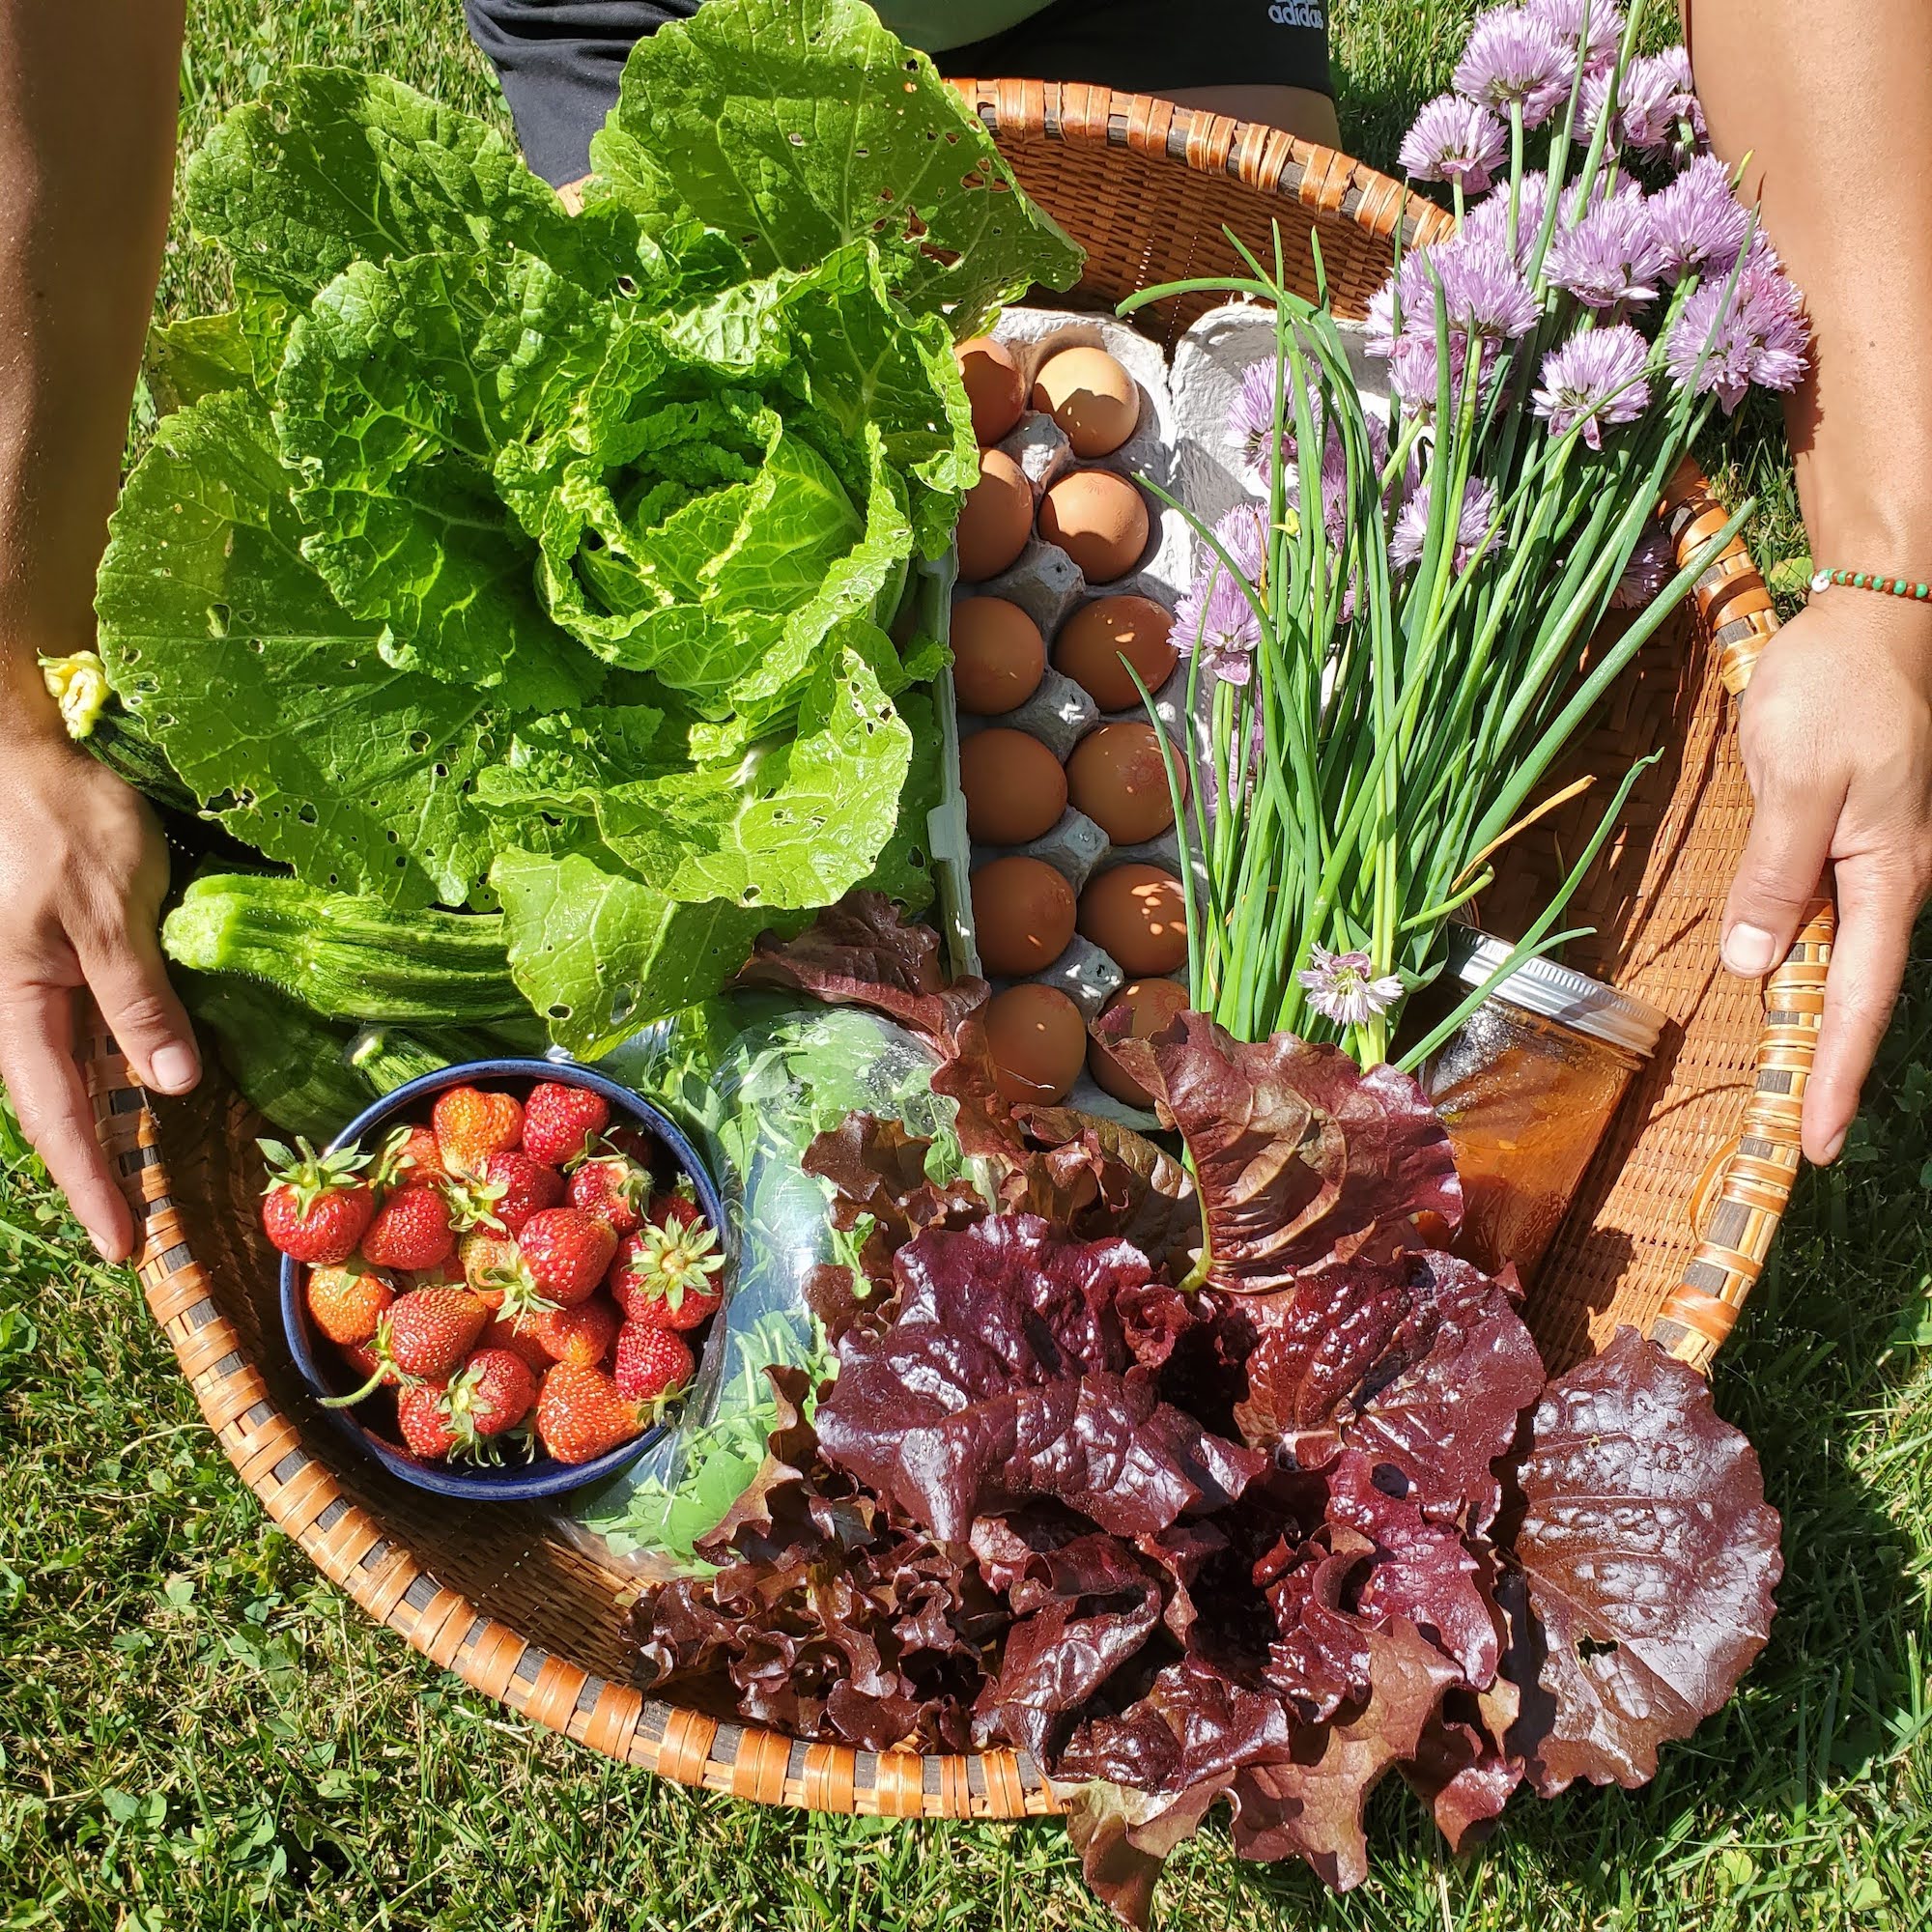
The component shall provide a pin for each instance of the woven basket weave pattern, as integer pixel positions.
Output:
(1676, 1215)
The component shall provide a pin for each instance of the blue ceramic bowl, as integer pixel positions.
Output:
(515, 1481)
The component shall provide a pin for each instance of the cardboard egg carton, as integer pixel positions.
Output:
(1185, 445)
(1049, 587)
(1210, 362)
(1045, 582)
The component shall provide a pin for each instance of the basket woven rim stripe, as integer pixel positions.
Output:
(1744, 1193)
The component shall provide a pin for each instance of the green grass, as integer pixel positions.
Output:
(197, 1731)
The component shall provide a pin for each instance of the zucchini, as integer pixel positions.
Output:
(118, 742)
(390, 1057)
(344, 956)
(289, 1063)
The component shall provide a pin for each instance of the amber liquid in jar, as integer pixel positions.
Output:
(1527, 1101)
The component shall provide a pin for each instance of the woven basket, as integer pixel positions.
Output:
(1673, 1223)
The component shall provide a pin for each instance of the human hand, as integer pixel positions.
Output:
(1836, 730)
(83, 868)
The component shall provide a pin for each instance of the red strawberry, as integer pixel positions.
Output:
(628, 1138)
(423, 1338)
(446, 1274)
(346, 1303)
(561, 1121)
(566, 1253)
(410, 1231)
(663, 1275)
(490, 1264)
(494, 1393)
(428, 1332)
(582, 1334)
(409, 1158)
(470, 1123)
(366, 1363)
(614, 1187)
(518, 1334)
(581, 1415)
(426, 1427)
(653, 1365)
(674, 1206)
(318, 1205)
(505, 1190)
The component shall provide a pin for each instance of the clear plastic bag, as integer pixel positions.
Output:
(753, 1079)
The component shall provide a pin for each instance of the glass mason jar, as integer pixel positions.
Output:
(1527, 1087)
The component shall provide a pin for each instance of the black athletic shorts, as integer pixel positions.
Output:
(559, 60)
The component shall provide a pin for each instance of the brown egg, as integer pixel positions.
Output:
(1023, 912)
(1092, 399)
(1015, 788)
(1099, 519)
(1038, 1040)
(996, 518)
(1117, 777)
(1151, 1002)
(1136, 913)
(1093, 641)
(998, 655)
(994, 388)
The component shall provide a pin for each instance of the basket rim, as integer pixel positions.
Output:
(349, 1543)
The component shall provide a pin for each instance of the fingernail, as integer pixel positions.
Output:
(174, 1068)
(1749, 950)
(1834, 1146)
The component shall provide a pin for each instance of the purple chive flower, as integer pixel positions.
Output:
(1685, 105)
(1221, 624)
(1244, 535)
(1215, 617)
(1652, 565)
(1707, 351)
(1595, 379)
(1412, 371)
(1514, 60)
(1610, 256)
(1472, 525)
(1456, 140)
(1696, 219)
(1251, 418)
(1485, 293)
(1414, 291)
(1334, 481)
(1592, 102)
(1597, 36)
(1343, 986)
(1486, 225)
(1771, 310)
(1485, 298)
(1647, 104)
(1755, 333)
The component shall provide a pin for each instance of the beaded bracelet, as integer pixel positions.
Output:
(1865, 579)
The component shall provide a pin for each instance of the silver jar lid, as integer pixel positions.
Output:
(1559, 993)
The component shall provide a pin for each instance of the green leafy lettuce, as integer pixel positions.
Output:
(497, 558)
(798, 129)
